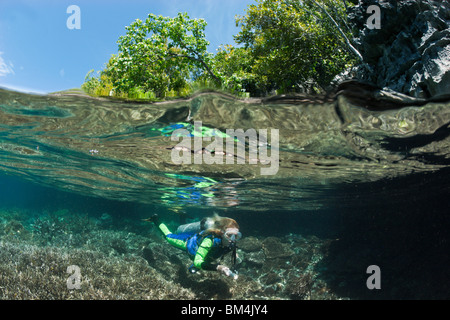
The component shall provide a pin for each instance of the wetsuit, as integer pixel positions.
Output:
(203, 250)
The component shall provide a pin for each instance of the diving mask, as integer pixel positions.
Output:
(233, 234)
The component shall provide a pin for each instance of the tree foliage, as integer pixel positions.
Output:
(294, 42)
(161, 54)
(283, 45)
(234, 65)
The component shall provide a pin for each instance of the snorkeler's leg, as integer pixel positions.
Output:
(171, 238)
(163, 228)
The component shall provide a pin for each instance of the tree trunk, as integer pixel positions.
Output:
(202, 62)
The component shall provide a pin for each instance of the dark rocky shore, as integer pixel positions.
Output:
(410, 52)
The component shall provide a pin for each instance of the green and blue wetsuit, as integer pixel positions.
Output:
(203, 249)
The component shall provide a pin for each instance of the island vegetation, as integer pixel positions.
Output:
(284, 46)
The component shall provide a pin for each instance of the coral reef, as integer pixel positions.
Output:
(120, 257)
(129, 263)
(300, 287)
(33, 272)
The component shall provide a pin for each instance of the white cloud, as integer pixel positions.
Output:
(5, 68)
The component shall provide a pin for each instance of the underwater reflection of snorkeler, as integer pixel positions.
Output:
(205, 241)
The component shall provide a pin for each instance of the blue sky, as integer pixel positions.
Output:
(39, 53)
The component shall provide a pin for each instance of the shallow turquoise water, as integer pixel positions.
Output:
(369, 185)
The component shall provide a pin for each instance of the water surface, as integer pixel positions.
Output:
(122, 150)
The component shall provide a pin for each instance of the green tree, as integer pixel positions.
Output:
(161, 54)
(295, 43)
(97, 86)
(234, 65)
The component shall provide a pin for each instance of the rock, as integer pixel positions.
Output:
(119, 245)
(274, 248)
(14, 227)
(148, 255)
(254, 259)
(271, 278)
(269, 291)
(410, 53)
(105, 220)
(250, 244)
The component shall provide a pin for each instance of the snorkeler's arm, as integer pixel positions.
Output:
(202, 252)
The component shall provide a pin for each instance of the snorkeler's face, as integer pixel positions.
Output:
(232, 235)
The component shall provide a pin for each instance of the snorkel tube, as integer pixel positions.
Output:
(232, 235)
(232, 246)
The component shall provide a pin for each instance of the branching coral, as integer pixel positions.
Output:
(300, 287)
(32, 272)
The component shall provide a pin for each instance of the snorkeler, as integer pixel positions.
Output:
(205, 241)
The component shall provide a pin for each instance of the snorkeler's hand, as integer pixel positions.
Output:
(154, 218)
(225, 270)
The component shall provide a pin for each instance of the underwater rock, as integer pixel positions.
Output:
(274, 248)
(14, 227)
(148, 255)
(250, 244)
(166, 260)
(105, 220)
(269, 291)
(271, 278)
(254, 259)
(119, 245)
